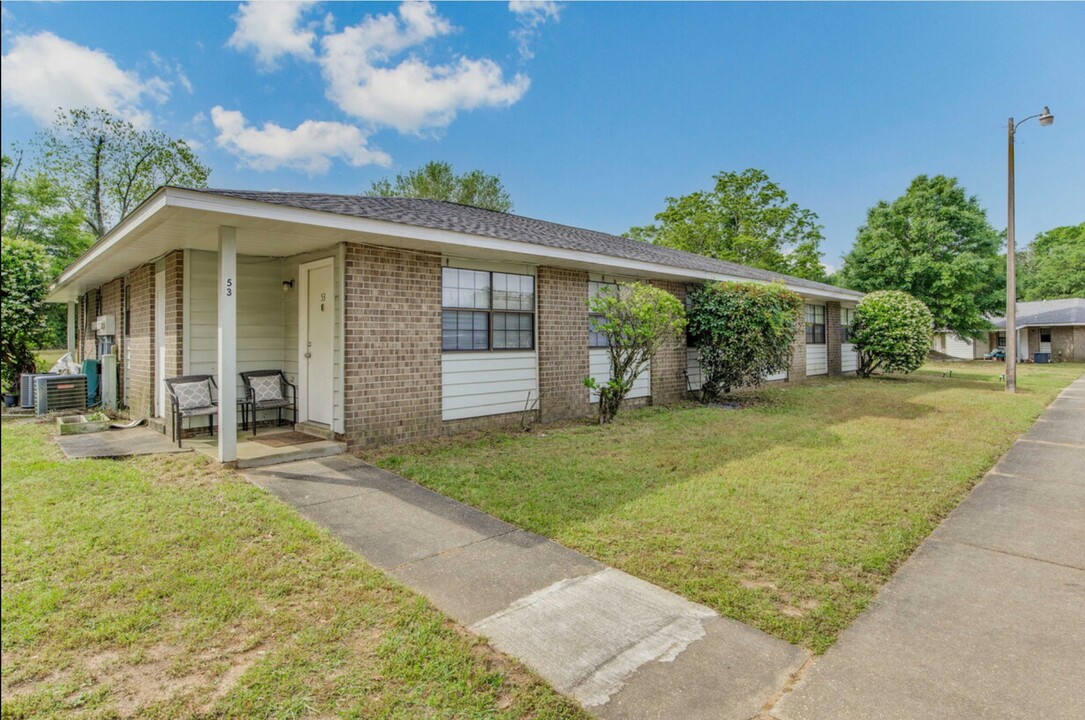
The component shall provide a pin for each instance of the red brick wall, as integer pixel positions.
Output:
(392, 364)
(832, 337)
(175, 268)
(797, 371)
(141, 342)
(669, 363)
(563, 343)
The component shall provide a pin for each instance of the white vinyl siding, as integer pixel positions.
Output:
(267, 319)
(817, 354)
(481, 383)
(693, 369)
(817, 360)
(474, 384)
(958, 348)
(599, 368)
(849, 360)
(259, 314)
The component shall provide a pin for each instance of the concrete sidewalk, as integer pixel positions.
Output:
(622, 647)
(987, 618)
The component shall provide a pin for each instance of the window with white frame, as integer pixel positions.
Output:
(815, 324)
(483, 311)
(847, 317)
(597, 339)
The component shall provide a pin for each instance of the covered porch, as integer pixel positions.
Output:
(204, 294)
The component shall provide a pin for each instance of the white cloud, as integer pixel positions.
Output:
(531, 15)
(43, 73)
(273, 29)
(310, 147)
(183, 79)
(412, 95)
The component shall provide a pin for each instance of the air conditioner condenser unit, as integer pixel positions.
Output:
(59, 392)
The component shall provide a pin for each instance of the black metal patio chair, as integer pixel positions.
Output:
(267, 390)
(192, 396)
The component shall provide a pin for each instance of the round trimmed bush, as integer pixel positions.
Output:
(891, 333)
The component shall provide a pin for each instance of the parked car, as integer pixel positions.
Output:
(996, 354)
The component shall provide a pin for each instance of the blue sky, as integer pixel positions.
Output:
(591, 113)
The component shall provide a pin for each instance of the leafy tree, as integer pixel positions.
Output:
(26, 280)
(891, 332)
(746, 218)
(104, 166)
(935, 243)
(1053, 266)
(637, 319)
(743, 332)
(437, 181)
(32, 207)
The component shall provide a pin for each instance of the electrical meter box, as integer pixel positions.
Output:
(105, 325)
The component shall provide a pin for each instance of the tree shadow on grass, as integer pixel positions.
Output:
(554, 478)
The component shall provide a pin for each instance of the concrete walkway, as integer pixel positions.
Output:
(987, 618)
(622, 647)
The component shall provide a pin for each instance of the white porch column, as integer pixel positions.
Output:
(227, 344)
(71, 328)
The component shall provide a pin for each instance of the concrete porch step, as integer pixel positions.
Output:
(308, 451)
(315, 429)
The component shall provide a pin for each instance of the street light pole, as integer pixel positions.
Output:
(1011, 274)
(1046, 118)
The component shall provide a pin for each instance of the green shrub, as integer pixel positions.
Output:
(891, 332)
(743, 332)
(22, 319)
(637, 319)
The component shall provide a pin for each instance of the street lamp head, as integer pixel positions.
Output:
(1046, 118)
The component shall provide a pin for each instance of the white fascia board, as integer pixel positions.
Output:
(250, 208)
(155, 203)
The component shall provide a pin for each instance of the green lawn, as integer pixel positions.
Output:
(788, 515)
(162, 587)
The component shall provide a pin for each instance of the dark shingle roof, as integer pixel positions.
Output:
(441, 215)
(1042, 313)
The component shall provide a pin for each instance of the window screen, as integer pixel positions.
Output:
(485, 311)
(815, 324)
(597, 339)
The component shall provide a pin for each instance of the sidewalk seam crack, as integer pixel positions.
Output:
(1011, 554)
(450, 550)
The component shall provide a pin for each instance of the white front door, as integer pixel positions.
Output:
(317, 341)
(160, 344)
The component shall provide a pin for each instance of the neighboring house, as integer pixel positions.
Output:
(398, 319)
(945, 342)
(1055, 327)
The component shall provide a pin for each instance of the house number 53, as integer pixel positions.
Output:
(229, 287)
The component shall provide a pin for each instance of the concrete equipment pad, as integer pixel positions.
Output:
(117, 443)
